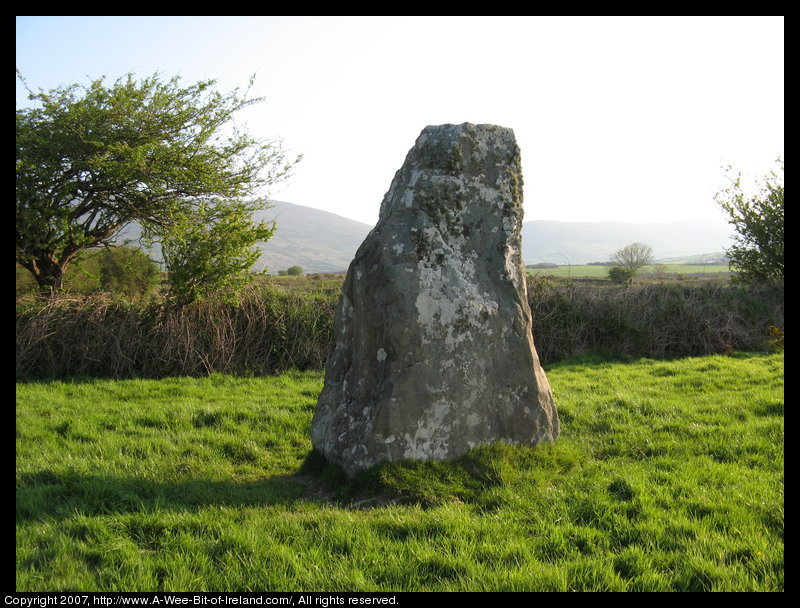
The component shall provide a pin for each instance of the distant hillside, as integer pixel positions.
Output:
(584, 242)
(320, 241)
(315, 240)
(324, 242)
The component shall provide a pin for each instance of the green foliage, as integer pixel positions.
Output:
(668, 476)
(623, 276)
(25, 283)
(776, 335)
(126, 270)
(91, 159)
(294, 271)
(211, 250)
(120, 270)
(757, 253)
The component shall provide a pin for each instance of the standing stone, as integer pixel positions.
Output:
(434, 353)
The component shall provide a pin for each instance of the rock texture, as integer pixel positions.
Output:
(434, 353)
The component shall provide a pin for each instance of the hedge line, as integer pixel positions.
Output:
(269, 331)
(654, 320)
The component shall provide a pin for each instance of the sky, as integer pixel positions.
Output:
(617, 118)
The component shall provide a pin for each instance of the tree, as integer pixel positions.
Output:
(629, 260)
(295, 271)
(620, 275)
(211, 250)
(122, 270)
(757, 253)
(127, 270)
(92, 159)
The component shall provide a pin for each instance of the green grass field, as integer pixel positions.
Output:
(668, 476)
(596, 271)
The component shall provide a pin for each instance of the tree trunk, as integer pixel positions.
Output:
(49, 275)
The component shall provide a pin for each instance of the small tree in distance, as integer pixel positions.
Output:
(628, 261)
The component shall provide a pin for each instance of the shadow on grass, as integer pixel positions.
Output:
(469, 478)
(50, 495)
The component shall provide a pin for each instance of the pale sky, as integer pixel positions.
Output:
(618, 118)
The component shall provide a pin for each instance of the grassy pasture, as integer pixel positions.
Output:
(647, 272)
(668, 476)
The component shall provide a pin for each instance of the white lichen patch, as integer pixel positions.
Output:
(450, 305)
(512, 268)
(431, 437)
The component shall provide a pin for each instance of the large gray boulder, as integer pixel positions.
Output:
(434, 353)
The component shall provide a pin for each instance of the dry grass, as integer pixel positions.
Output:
(267, 332)
(655, 320)
(273, 330)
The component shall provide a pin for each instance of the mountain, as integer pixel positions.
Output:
(319, 241)
(315, 240)
(584, 242)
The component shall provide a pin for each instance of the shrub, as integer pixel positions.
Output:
(656, 320)
(776, 338)
(122, 270)
(266, 332)
(618, 274)
(271, 331)
(126, 270)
